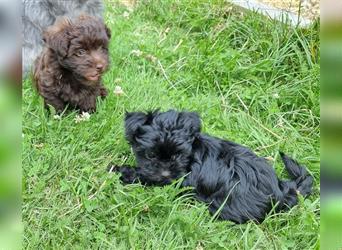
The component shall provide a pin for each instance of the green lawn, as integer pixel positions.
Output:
(253, 81)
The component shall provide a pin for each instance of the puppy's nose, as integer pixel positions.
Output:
(99, 66)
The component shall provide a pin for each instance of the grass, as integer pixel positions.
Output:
(253, 80)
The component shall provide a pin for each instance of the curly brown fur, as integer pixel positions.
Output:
(37, 15)
(68, 72)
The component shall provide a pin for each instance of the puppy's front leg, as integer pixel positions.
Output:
(129, 174)
(87, 104)
(103, 91)
(57, 103)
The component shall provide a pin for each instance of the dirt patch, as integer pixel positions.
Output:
(130, 4)
(306, 8)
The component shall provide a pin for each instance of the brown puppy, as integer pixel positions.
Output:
(68, 72)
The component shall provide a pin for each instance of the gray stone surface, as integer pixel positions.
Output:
(272, 12)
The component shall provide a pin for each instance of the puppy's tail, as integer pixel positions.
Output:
(301, 182)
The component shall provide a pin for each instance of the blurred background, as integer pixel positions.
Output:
(10, 124)
(331, 124)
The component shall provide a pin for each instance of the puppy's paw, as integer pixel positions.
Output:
(88, 104)
(103, 92)
(111, 168)
(128, 173)
(85, 112)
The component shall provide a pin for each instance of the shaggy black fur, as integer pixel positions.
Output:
(169, 145)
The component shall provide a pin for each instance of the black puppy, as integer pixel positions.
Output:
(169, 145)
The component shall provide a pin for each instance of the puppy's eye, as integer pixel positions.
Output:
(80, 52)
(151, 155)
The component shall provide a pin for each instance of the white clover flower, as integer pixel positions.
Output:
(136, 52)
(117, 80)
(85, 116)
(118, 91)
(276, 95)
(151, 58)
(125, 14)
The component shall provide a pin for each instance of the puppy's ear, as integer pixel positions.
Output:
(134, 120)
(56, 36)
(192, 122)
(108, 32)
